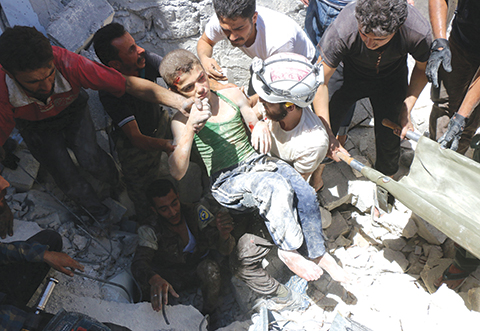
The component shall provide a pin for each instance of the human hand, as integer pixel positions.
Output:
(440, 54)
(261, 138)
(305, 2)
(6, 217)
(224, 224)
(187, 105)
(166, 145)
(334, 148)
(159, 289)
(405, 124)
(454, 131)
(199, 116)
(61, 261)
(213, 70)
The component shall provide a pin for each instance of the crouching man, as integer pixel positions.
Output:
(173, 251)
(298, 135)
(241, 178)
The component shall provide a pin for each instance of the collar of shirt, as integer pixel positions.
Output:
(18, 98)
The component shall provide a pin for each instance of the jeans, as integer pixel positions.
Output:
(73, 128)
(286, 202)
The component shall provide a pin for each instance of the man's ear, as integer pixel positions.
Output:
(115, 64)
(254, 18)
(289, 106)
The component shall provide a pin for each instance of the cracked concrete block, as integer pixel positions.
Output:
(428, 232)
(363, 191)
(338, 227)
(19, 178)
(393, 242)
(47, 220)
(395, 257)
(75, 26)
(326, 218)
(347, 199)
(79, 241)
(410, 229)
(22, 230)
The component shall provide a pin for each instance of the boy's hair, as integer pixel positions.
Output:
(24, 48)
(176, 63)
(102, 42)
(233, 9)
(381, 17)
(158, 189)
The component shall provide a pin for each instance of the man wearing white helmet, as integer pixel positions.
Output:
(286, 84)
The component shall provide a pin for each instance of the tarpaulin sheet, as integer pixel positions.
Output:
(442, 187)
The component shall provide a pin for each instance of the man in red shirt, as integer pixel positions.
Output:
(41, 92)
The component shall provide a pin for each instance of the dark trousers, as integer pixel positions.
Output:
(386, 96)
(246, 263)
(20, 280)
(73, 128)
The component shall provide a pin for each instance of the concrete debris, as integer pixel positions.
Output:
(21, 179)
(393, 260)
(75, 26)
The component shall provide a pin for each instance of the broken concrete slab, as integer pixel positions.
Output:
(20, 12)
(393, 242)
(428, 232)
(363, 192)
(19, 178)
(326, 218)
(338, 227)
(22, 230)
(68, 29)
(410, 229)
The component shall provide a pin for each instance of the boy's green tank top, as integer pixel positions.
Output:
(222, 145)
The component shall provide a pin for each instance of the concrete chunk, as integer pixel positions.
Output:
(75, 26)
(338, 227)
(19, 178)
(428, 232)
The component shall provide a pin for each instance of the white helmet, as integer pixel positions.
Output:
(286, 77)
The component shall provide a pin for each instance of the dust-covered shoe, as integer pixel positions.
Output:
(293, 301)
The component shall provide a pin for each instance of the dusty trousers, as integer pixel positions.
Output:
(73, 128)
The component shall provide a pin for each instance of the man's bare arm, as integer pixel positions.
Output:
(151, 92)
(472, 98)
(205, 52)
(437, 10)
(183, 130)
(418, 80)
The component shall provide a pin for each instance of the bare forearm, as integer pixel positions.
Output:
(151, 92)
(472, 98)
(204, 49)
(418, 80)
(438, 17)
(180, 158)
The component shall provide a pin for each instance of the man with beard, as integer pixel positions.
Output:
(41, 92)
(258, 33)
(298, 135)
(142, 129)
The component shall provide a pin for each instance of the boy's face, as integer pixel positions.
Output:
(239, 31)
(193, 83)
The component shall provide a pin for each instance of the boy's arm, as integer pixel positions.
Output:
(261, 137)
(183, 130)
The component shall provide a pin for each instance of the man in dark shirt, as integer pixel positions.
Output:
(142, 128)
(173, 251)
(373, 39)
(460, 59)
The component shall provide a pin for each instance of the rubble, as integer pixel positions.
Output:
(393, 260)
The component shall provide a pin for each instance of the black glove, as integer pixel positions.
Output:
(454, 131)
(440, 55)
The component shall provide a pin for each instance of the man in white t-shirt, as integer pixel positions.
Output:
(286, 84)
(261, 33)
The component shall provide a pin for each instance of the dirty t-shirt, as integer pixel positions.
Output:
(466, 26)
(305, 146)
(342, 42)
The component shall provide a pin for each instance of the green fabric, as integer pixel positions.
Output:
(222, 145)
(442, 187)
